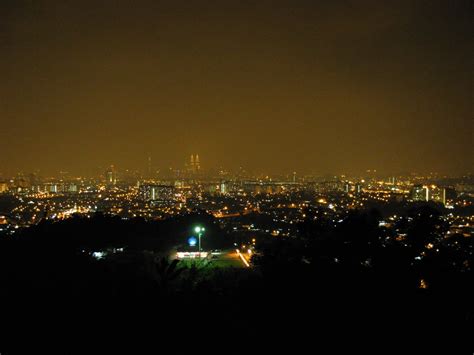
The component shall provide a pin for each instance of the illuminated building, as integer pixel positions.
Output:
(223, 188)
(152, 192)
(192, 163)
(51, 188)
(429, 193)
(437, 194)
(71, 188)
(3, 187)
(420, 193)
(111, 176)
(347, 187)
(195, 165)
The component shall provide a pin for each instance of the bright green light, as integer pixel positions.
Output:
(198, 229)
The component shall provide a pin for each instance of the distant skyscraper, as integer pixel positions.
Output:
(149, 168)
(153, 192)
(223, 188)
(111, 176)
(437, 194)
(420, 193)
(194, 164)
(3, 187)
(71, 187)
(197, 164)
(347, 187)
(429, 193)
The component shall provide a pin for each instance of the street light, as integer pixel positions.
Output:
(199, 230)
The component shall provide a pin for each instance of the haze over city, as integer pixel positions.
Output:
(236, 177)
(272, 86)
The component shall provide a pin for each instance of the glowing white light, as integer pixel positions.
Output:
(98, 255)
(243, 258)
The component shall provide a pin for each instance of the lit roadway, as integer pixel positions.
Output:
(231, 258)
(244, 257)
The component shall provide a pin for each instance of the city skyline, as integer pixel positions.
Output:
(184, 170)
(273, 87)
(236, 176)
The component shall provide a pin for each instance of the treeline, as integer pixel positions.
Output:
(400, 282)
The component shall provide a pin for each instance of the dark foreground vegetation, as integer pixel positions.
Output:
(352, 285)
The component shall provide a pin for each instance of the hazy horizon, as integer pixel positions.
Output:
(163, 172)
(276, 86)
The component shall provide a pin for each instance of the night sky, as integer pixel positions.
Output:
(273, 86)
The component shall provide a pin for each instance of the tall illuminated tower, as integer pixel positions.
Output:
(149, 172)
(197, 165)
(111, 176)
(192, 164)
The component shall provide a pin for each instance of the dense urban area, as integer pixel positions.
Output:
(240, 204)
(385, 249)
(236, 177)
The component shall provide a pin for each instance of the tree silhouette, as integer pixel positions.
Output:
(426, 227)
(162, 271)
